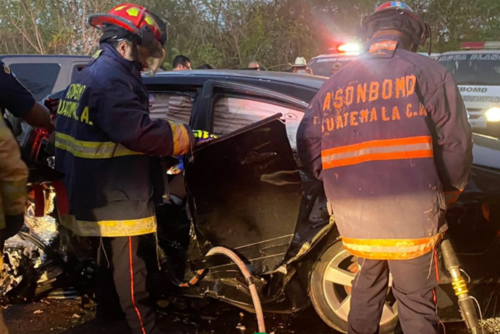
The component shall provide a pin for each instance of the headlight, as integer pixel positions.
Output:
(493, 114)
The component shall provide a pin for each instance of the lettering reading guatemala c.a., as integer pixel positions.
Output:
(69, 105)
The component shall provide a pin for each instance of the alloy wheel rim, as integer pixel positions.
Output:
(337, 281)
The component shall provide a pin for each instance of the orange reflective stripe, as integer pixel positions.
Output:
(380, 143)
(390, 249)
(379, 157)
(389, 149)
(384, 45)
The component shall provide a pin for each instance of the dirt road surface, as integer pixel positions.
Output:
(67, 317)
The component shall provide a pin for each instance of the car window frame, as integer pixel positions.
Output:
(178, 90)
(212, 88)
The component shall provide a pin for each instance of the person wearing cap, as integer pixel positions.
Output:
(104, 140)
(388, 135)
(300, 66)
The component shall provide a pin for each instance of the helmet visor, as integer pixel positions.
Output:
(151, 57)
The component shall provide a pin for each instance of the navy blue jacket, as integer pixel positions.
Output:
(388, 134)
(13, 95)
(104, 137)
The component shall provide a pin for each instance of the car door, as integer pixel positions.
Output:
(244, 188)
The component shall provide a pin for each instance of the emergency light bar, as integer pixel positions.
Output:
(347, 48)
(495, 45)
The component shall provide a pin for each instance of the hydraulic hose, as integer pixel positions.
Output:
(198, 275)
(465, 302)
(253, 290)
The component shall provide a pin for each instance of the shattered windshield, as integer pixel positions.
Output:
(473, 68)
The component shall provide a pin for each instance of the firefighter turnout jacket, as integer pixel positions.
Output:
(13, 171)
(388, 134)
(13, 176)
(104, 137)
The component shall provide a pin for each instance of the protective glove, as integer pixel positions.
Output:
(176, 169)
(201, 138)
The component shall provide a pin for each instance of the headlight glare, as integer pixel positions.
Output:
(493, 114)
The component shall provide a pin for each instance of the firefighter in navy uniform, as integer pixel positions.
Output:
(19, 101)
(388, 135)
(104, 140)
(13, 171)
(13, 178)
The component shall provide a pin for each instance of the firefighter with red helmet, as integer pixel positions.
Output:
(388, 134)
(104, 140)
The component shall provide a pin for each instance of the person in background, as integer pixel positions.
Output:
(336, 67)
(205, 67)
(181, 63)
(300, 66)
(254, 65)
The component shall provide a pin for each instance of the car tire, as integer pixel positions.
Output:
(329, 290)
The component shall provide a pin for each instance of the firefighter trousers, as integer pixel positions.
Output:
(414, 283)
(121, 281)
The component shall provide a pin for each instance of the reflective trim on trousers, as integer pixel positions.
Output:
(110, 228)
(390, 249)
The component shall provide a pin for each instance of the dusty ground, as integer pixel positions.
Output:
(67, 317)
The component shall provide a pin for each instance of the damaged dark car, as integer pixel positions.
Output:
(247, 192)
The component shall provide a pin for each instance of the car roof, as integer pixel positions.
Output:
(470, 52)
(284, 77)
(335, 55)
(45, 56)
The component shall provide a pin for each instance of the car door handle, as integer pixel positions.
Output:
(254, 156)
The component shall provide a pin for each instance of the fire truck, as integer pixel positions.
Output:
(476, 69)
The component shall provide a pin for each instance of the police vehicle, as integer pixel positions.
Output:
(476, 69)
(341, 55)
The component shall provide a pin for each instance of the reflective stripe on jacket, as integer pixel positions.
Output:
(388, 134)
(104, 140)
(13, 176)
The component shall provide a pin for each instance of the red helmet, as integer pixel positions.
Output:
(148, 27)
(396, 15)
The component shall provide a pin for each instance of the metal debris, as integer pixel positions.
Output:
(491, 325)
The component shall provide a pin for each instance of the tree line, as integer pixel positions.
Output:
(231, 33)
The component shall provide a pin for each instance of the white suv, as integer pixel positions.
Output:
(476, 70)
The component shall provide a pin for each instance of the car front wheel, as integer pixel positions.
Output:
(330, 290)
